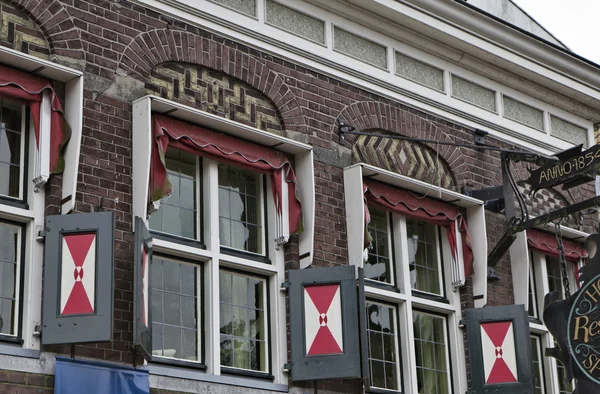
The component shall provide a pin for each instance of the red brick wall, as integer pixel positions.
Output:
(200, 68)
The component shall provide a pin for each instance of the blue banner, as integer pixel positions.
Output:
(90, 377)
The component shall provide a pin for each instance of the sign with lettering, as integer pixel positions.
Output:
(575, 325)
(583, 333)
(567, 169)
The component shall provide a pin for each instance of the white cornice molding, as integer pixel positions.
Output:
(477, 23)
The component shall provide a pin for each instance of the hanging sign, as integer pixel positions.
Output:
(575, 325)
(573, 164)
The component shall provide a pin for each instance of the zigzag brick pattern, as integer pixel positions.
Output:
(404, 157)
(18, 32)
(214, 92)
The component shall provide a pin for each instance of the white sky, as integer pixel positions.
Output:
(573, 22)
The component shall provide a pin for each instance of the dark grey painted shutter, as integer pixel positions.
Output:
(142, 312)
(324, 324)
(78, 278)
(491, 332)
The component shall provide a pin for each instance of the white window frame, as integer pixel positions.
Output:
(32, 212)
(521, 273)
(399, 363)
(211, 257)
(475, 216)
(404, 299)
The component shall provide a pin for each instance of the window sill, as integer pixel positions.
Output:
(245, 255)
(247, 373)
(381, 285)
(14, 203)
(431, 297)
(177, 239)
(172, 371)
(374, 390)
(179, 363)
(14, 348)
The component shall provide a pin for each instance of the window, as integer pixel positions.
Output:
(431, 347)
(412, 249)
(12, 148)
(219, 222)
(11, 256)
(411, 272)
(546, 276)
(240, 221)
(243, 312)
(240, 209)
(538, 372)
(378, 267)
(424, 256)
(25, 165)
(384, 361)
(178, 213)
(176, 322)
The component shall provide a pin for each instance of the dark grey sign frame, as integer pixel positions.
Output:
(518, 315)
(142, 333)
(345, 365)
(96, 327)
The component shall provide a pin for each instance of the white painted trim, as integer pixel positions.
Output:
(520, 269)
(41, 67)
(377, 293)
(15, 214)
(355, 215)
(477, 229)
(74, 117)
(416, 186)
(176, 249)
(73, 112)
(142, 144)
(247, 265)
(41, 169)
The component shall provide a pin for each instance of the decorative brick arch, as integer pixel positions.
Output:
(56, 24)
(404, 157)
(395, 119)
(153, 48)
(214, 92)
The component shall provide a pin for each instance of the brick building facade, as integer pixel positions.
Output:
(222, 59)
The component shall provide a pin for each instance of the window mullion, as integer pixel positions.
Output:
(407, 347)
(211, 282)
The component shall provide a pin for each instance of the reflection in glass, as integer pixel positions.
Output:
(378, 265)
(554, 274)
(240, 222)
(423, 256)
(536, 357)
(174, 309)
(243, 322)
(11, 160)
(177, 214)
(10, 241)
(432, 352)
(382, 346)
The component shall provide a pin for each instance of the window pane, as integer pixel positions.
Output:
(382, 346)
(378, 265)
(554, 274)
(536, 356)
(10, 244)
(243, 322)
(564, 386)
(175, 309)
(240, 213)
(432, 354)
(11, 160)
(423, 256)
(532, 308)
(177, 214)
